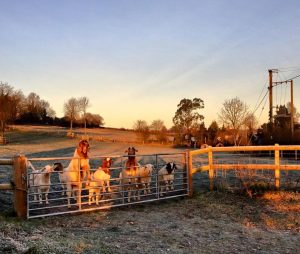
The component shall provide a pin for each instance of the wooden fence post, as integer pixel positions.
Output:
(211, 172)
(277, 166)
(20, 185)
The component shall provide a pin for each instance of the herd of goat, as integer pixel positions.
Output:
(132, 179)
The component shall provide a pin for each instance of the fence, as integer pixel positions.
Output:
(269, 163)
(85, 198)
(17, 183)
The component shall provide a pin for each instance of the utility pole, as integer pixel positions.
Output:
(271, 71)
(292, 108)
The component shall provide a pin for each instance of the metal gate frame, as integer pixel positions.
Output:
(183, 187)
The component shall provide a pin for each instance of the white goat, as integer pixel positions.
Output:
(166, 177)
(100, 180)
(39, 182)
(72, 176)
(144, 174)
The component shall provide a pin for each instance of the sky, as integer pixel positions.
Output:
(136, 59)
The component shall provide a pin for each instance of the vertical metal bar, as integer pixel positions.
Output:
(27, 185)
(157, 179)
(79, 186)
(121, 182)
(189, 168)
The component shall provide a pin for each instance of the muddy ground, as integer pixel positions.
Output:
(209, 222)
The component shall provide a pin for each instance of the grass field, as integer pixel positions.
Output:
(209, 222)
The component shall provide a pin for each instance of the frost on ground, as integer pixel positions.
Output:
(209, 222)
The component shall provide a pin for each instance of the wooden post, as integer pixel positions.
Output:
(277, 166)
(211, 172)
(20, 184)
(190, 175)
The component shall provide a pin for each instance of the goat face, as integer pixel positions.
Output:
(47, 169)
(131, 152)
(171, 166)
(107, 162)
(83, 148)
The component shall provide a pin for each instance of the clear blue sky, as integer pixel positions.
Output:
(137, 59)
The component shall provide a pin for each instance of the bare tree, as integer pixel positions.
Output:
(142, 129)
(233, 115)
(5, 106)
(84, 103)
(159, 129)
(11, 102)
(71, 110)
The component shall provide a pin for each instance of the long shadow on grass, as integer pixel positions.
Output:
(62, 152)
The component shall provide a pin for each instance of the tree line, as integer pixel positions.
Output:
(235, 125)
(16, 108)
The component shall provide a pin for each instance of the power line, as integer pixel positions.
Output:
(260, 102)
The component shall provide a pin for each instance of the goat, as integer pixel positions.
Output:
(100, 179)
(72, 176)
(127, 176)
(144, 174)
(166, 177)
(39, 182)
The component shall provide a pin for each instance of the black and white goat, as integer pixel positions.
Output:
(166, 177)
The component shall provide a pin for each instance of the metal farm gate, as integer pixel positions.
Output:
(118, 196)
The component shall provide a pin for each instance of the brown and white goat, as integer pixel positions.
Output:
(100, 180)
(79, 168)
(127, 176)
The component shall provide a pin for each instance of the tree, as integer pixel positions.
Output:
(142, 129)
(5, 106)
(186, 117)
(233, 115)
(11, 105)
(94, 120)
(83, 104)
(213, 130)
(159, 129)
(71, 110)
(36, 110)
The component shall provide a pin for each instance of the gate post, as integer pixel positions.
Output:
(20, 188)
(277, 166)
(211, 171)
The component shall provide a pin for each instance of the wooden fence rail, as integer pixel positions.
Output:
(276, 166)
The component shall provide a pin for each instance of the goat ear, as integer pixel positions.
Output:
(58, 166)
